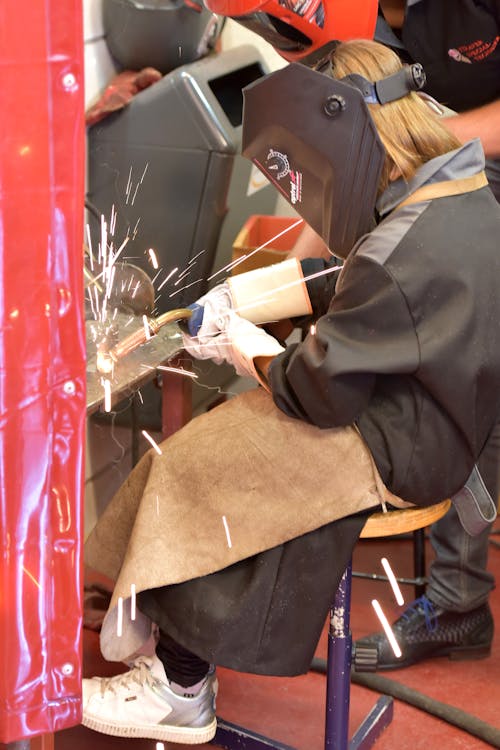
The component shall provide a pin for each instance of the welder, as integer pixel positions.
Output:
(236, 532)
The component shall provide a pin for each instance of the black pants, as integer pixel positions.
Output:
(262, 615)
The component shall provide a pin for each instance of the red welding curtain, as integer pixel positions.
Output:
(42, 364)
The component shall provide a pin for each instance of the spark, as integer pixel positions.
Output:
(140, 397)
(94, 312)
(104, 240)
(392, 580)
(135, 228)
(168, 277)
(135, 193)
(160, 746)
(125, 241)
(196, 256)
(111, 278)
(157, 505)
(153, 258)
(144, 173)
(312, 329)
(387, 628)
(112, 220)
(132, 601)
(185, 287)
(119, 618)
(91, 254)
(179, 370)
(183, 275)
(226, 528)
(129, 185)
(249, 255)
(153, 443)
(146, 326)
(31, 577)
(107, 395)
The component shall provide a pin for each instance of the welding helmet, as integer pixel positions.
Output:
(162, 34)
(298, 28)
(314, 139)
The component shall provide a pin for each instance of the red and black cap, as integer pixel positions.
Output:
(297, 28)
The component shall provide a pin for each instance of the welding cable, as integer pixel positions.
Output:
(452, 715)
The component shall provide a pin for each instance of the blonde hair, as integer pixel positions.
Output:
(409, 129)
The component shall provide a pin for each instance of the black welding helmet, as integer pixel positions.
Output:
(162, 34)
(314, 138)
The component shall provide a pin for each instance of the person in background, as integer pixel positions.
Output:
(458, 44)
(364, 411)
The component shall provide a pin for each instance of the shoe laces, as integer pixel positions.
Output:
(424, 606)
(140, 674)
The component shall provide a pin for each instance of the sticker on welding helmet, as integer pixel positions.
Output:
(295, 187)
(277, 164)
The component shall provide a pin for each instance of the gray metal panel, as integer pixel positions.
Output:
(165, 163)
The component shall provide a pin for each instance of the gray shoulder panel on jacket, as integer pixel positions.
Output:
(380, 244)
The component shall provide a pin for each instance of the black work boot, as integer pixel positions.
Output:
(425, 630)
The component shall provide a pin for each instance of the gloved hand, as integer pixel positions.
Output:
(238, 344)
(209, 312)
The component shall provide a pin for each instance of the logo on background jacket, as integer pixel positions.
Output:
(473, 52)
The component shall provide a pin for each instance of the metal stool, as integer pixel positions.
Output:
(338, 670)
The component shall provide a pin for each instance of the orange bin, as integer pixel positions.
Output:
(271, 236)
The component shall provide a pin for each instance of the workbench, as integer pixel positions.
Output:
(141, 366)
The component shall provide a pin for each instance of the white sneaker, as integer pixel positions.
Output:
(140, 703)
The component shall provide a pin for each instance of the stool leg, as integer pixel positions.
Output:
(419, 561)
(338, 675)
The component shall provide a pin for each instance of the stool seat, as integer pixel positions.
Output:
(403, 520)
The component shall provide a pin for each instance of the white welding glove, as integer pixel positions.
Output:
(238, 345)
(215, 306)
(248, 341)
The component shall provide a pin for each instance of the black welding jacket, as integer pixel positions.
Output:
(408, 348)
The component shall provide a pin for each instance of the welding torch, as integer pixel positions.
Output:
(108, 357)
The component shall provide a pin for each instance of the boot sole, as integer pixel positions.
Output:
(454, 653)
(181, 735)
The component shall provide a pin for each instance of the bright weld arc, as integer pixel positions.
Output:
(153, 443)
(387, 628)
(393, 581)
(226, 528)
